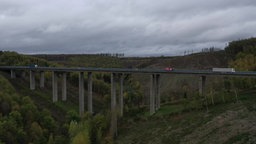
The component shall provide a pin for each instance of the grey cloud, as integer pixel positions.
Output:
(142, 27)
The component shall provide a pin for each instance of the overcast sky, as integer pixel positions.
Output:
(132, 27)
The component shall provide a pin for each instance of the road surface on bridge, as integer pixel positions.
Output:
(126, 70)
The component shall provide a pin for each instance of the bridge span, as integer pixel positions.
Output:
(127, 70)
(117, 76)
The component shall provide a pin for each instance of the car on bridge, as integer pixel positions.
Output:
(33, 65)
(169, 68)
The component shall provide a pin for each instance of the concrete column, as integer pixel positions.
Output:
(152, 95)
(90, 92)
(23, 74)
(41, 79)
(202, 85)
(32, 80)
(54, 86)
(157, 87)
(202, 90)
(13, 75)
(121, 99)
(64, 86)
(113, 125)
(81, 93)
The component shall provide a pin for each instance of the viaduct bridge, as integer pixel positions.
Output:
(117, 76)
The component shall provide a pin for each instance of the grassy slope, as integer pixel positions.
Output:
(224, 123)
(193, 61)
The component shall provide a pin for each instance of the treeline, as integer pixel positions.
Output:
(245, 46)
(66, 57)
(112, 54)
(242, 54)
(211, 49)
(14, 59)
(242, 57)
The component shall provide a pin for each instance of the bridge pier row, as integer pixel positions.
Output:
(113, 125)
(54, 86)
(81, 93)
(90, 108)
(41, 79)
(121, 98)
(32, 80)
(13, 74)
(64, 86)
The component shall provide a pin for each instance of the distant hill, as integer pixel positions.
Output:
(204, 60)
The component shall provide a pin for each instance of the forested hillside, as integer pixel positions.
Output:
(21, 119)
(66, 126)
(242, 54)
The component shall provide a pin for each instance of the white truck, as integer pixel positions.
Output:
(223, 69)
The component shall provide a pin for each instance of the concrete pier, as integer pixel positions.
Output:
(32, 80)
(202, 90)
(152, 95)
(13, 74)
(121, 98)
(113, 125)
(90, 110)
(157, 89)
(81, 93)
(201, 85)
(41, 79)
(154, 100)
(64, 86)
(23, 74)
(54, 86)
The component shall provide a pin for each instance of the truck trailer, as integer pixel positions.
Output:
(223, 69)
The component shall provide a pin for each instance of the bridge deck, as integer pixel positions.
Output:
(126, 70)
